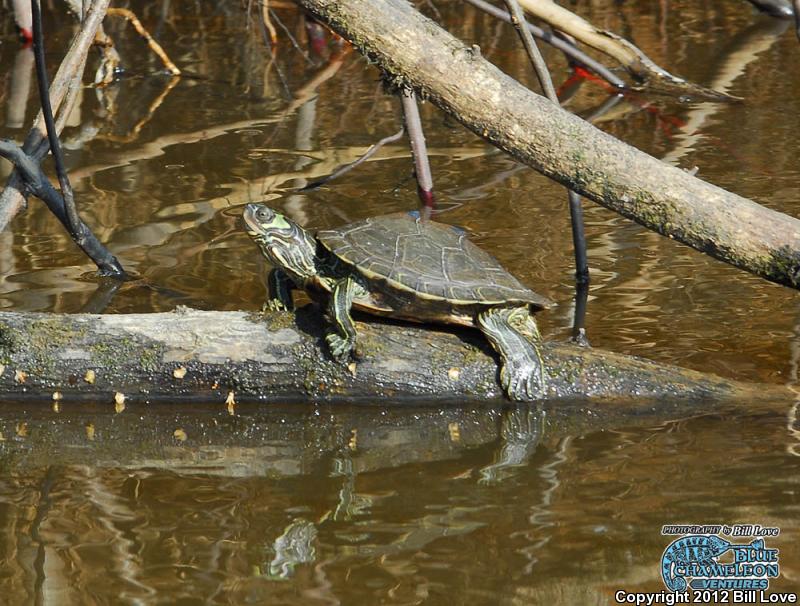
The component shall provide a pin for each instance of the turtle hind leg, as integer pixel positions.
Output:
(342, 338)
(522, 372)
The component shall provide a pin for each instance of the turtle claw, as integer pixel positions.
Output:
(274, 305)
(522, 380)
(580, 339)
(340, 347)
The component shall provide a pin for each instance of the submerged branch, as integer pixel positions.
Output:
(31, 174)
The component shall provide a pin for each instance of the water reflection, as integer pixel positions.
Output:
(315, 505)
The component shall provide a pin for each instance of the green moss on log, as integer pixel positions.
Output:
(114, 354)
(42, 341)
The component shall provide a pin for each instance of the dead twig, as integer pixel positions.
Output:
(74, 222)
(630, 56)
(154, 46)
(348, 167)
(77, 229)
(575, 208)
(539, 66)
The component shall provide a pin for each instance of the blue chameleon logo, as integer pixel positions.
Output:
(697, 555)
(691, 549)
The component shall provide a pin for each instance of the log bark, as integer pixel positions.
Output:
(417, 53)
(201, 356)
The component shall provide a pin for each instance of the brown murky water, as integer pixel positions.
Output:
(365, 506)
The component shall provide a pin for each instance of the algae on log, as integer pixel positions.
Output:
(415, 52)
(202, 356)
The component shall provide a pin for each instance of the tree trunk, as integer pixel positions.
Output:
(201, 356)
(417, 53)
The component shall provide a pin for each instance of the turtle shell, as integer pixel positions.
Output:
(433, 260)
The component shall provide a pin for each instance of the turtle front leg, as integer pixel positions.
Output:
(279, 292)
(522, 372)
(342, 338)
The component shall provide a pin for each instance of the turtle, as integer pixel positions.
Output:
(404, 266)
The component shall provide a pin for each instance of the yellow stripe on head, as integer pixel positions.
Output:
(283, 242)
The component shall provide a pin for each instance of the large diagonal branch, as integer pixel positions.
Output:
(416, 52)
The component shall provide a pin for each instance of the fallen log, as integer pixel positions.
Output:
(415, 52)
(239, 357)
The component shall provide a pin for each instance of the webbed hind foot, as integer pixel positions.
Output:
(521, 379)
(514, 335)
(340, 348)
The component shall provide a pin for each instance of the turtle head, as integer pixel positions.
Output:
(282, 241)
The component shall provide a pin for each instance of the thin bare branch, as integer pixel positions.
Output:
(131, 18)
(575, 208)
(419, 149)
(348, 167)
(73, 221)
(565, 47)
(630, 56)
(539, 66)
(69, 75)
